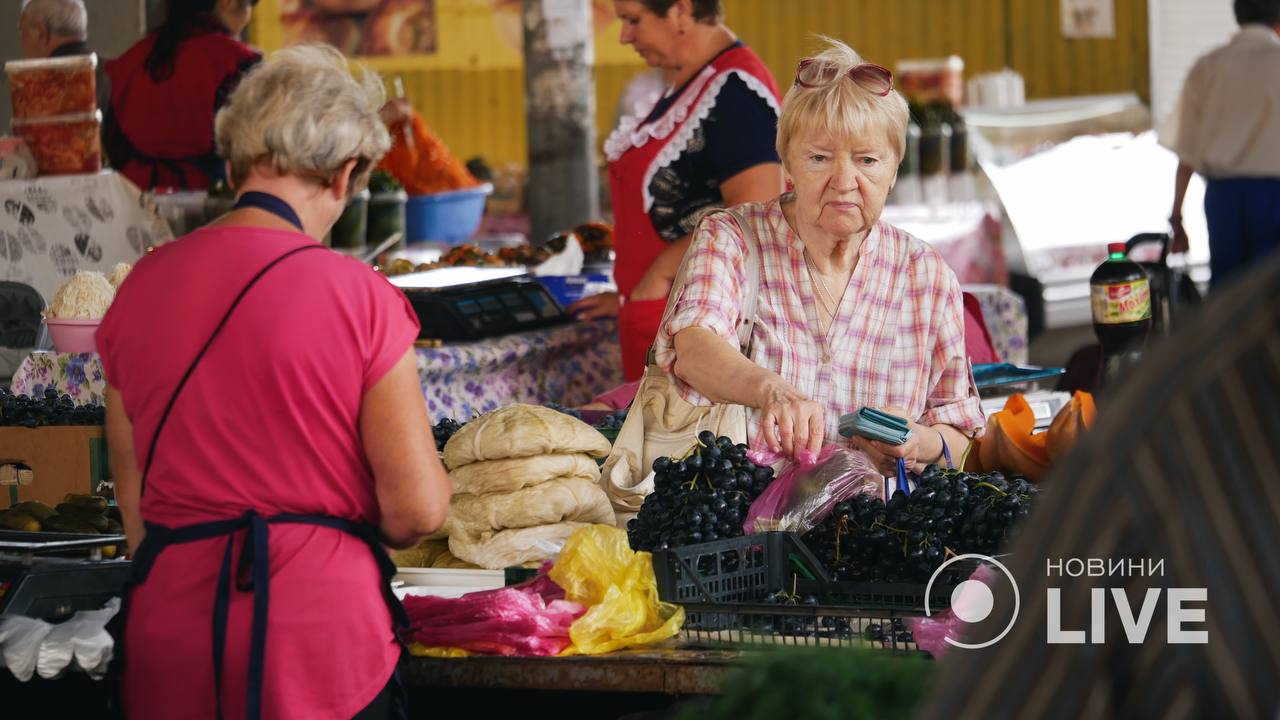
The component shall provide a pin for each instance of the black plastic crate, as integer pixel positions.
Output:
(736, 624)
(722, 586)
(741, 569)
(745, 569)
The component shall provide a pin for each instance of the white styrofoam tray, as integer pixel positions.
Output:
(446, 582)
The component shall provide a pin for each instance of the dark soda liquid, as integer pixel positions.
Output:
(1120, 297)
(1121, 337)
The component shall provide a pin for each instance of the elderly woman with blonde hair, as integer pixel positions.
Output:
(851, 312)
(266, 426)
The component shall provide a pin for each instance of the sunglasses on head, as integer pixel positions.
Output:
(875, 79)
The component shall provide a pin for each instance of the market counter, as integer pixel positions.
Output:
(568, 364)
(669, 670)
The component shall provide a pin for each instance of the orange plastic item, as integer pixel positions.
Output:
(1008, 444)
(424, 166)
(1072, 422)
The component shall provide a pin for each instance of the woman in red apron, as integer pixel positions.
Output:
(709, 142)
(166, 89)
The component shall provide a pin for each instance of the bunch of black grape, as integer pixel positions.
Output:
(905, 540)
(701, 497)
(571, 412)
(52, 408)
(614, 420)
(444, 430)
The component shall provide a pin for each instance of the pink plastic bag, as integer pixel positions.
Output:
(528, 619)
(931, 633)
(804, 492)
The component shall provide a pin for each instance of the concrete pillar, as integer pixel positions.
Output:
(560, 101)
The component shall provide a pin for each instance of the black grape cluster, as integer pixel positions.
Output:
(614, 420)
(444, 430)
(52, 408)
(571, 412)
(905, 540)
(701, 497)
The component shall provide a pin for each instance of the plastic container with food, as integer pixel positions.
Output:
(183, 210)
(349, 231)
(73, 336)
(53, 86)
(64, 144)
(449, 217)
(386, 217)
(932, 80)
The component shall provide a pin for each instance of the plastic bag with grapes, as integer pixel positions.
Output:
(804, 493)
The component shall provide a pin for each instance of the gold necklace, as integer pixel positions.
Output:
(824, 295)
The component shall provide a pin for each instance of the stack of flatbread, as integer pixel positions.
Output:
(429, 554)
(524, 479)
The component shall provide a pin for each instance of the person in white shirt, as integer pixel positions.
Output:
(1227, 129)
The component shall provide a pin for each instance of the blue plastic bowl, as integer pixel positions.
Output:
(449, 217)
(569, 289)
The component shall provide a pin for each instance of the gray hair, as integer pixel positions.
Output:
(65, 18)
(304, 113)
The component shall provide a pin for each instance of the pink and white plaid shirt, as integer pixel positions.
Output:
(897, 339)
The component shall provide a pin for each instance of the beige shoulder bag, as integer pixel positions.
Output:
(661, 422)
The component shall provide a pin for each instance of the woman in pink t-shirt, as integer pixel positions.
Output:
(266, 426)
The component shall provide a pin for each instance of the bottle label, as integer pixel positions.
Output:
(1118, 303)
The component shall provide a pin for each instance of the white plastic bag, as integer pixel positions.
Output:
(20, 639)
(82, 639)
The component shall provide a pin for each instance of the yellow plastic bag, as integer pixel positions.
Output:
(599, 569)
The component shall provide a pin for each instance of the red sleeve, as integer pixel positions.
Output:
(104, 342)
(393, 328)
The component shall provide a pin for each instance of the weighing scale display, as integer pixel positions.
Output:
(474, 311)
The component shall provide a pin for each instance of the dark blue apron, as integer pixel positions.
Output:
(252, 570)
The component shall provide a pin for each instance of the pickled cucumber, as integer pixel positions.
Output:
(77, 510)
(69, 524)
(35, 509)
(14, 520)
(91, 501)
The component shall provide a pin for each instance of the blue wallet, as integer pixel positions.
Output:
(875, 425)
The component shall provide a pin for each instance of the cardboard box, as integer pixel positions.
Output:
(69, 459)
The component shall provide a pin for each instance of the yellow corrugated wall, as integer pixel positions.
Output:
(886, 31)
(472, 90)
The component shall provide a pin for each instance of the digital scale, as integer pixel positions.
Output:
(1044, 405)
(52, 576)
(466, 303)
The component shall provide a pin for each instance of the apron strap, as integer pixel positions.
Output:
(270, 203)
(251, 573)
(164, 417)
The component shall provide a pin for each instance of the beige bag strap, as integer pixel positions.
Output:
(747, 326)
(747, 321)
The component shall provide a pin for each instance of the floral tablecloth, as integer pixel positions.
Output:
(1005, 314)
(566, 364)
(76, 374)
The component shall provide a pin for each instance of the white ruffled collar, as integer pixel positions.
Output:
(634, 132)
